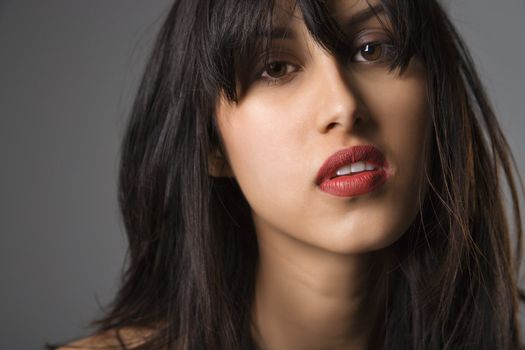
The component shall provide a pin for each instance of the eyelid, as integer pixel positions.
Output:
(371, 35)
(273, 55)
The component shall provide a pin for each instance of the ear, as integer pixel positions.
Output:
(218, 165)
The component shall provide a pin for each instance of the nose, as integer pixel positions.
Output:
(338, 101)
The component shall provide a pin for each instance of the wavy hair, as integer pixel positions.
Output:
(192, 246)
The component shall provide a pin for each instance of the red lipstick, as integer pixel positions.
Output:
(357, 183)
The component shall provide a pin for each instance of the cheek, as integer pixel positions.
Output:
(401, 109)
(260, 151)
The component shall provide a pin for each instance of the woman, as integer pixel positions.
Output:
(314, 175)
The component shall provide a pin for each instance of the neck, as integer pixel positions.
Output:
(307, 298)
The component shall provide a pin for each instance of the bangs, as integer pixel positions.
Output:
(241, 31)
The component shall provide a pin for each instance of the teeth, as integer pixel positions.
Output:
(370, 167)
(355, 168)
(347, 169)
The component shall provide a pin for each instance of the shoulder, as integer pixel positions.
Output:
(131, 337)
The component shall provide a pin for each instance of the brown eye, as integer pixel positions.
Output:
(370, 52)
(277, 72)
(276, 69)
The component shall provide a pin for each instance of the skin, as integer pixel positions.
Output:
(318, 252)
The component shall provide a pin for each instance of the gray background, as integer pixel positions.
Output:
(68, 72)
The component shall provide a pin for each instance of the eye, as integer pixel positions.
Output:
(277, 70)
(374, 51)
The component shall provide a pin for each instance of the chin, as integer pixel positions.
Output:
(360, 241)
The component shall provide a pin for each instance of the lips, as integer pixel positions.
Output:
(355, 183)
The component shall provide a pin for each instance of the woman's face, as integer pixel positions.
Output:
(304, 107)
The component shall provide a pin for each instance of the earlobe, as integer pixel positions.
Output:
(218, 165)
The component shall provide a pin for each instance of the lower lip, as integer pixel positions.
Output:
(355, 185)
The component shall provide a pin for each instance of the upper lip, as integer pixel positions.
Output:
(345, 156)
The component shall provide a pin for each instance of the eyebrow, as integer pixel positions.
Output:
(348, 25)
(361, 16)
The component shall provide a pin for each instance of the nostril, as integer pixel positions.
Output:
(331, 126)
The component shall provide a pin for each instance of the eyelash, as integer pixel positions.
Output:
(387, 54)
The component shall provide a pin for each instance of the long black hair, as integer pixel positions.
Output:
(192, 245)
